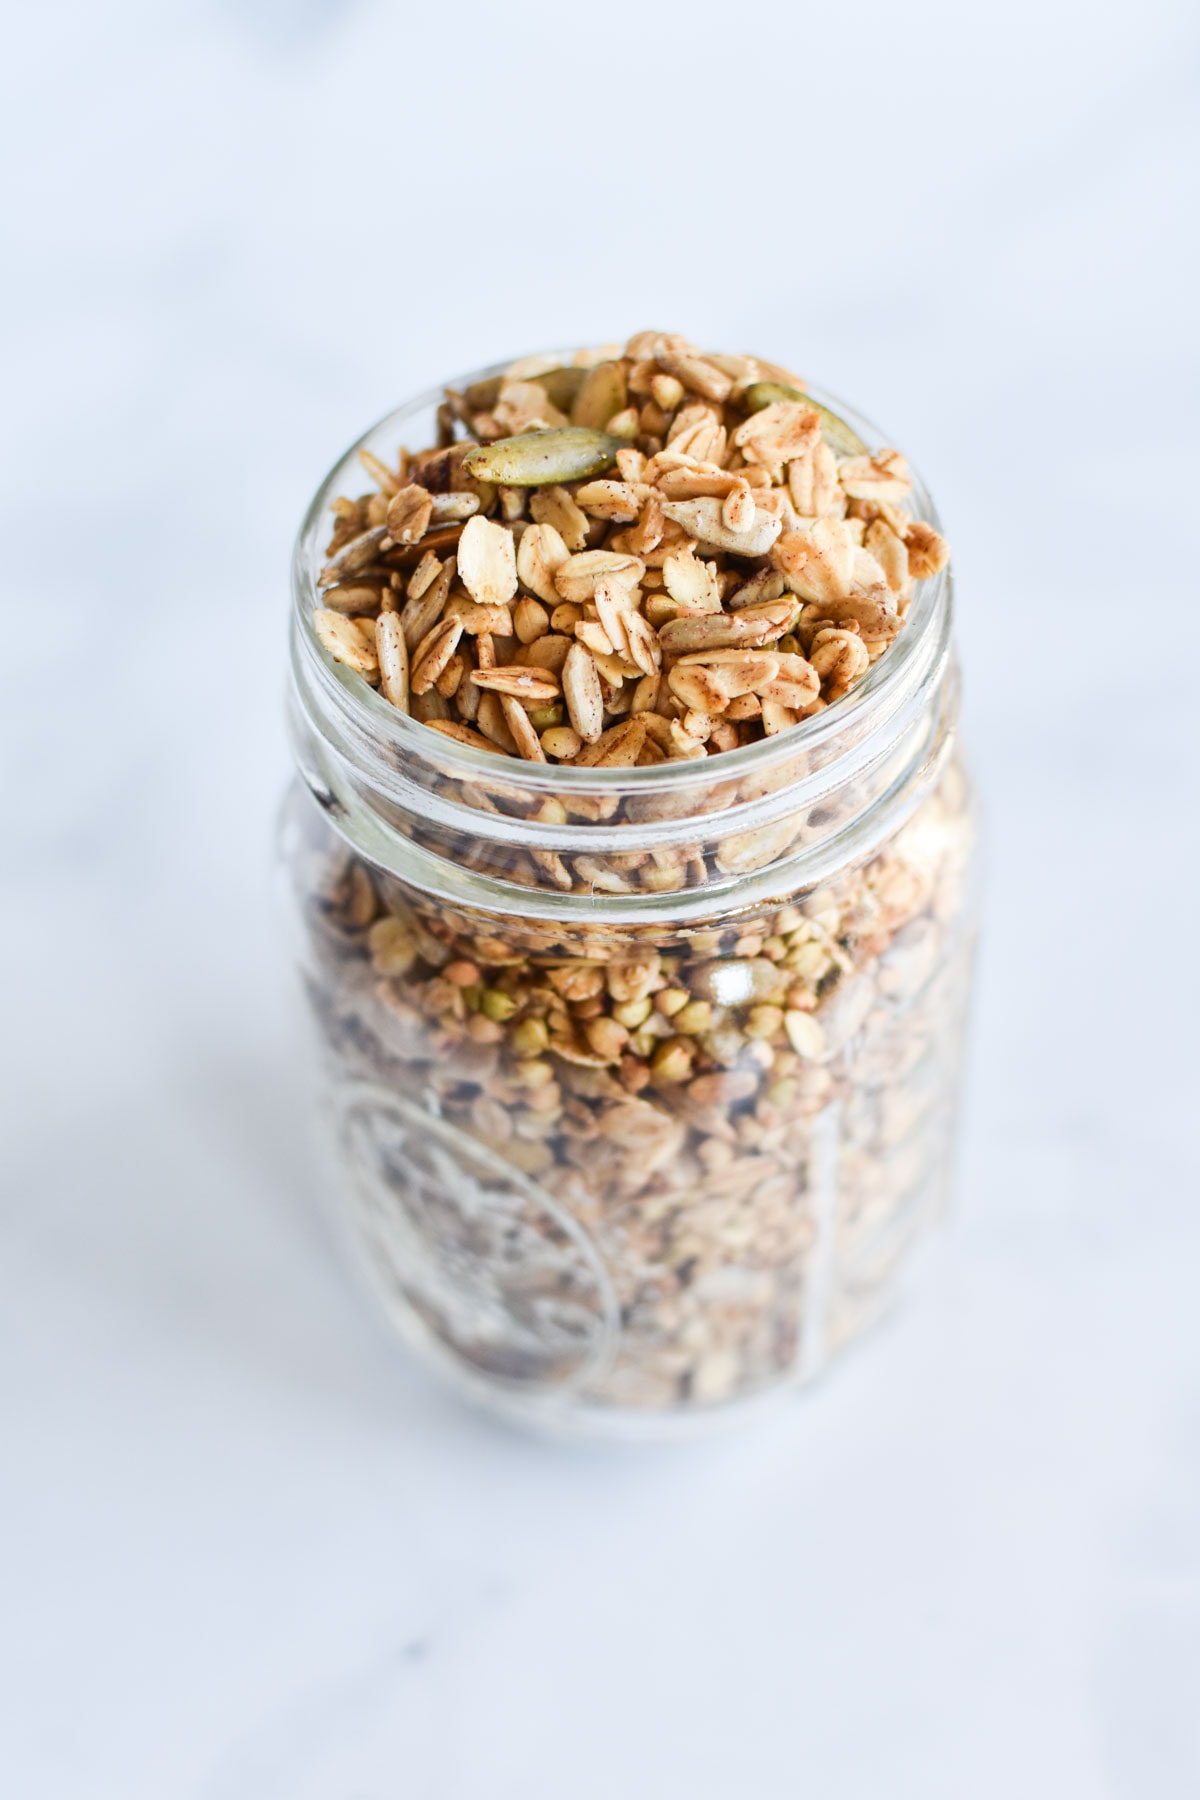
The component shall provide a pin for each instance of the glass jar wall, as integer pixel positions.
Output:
(641, 1082)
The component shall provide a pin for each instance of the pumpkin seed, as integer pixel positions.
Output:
(601, 397)
(543, 458)
(561, 386)
(837, 434)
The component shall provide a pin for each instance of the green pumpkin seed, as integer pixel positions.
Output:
(601, 396)
(837, 434)
(543, 458)
(561, 386)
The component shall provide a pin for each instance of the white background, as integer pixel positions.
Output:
(250, 1551)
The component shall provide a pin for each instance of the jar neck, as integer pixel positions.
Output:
(671, 840)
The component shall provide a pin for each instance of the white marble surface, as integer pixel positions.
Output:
(251, 1551)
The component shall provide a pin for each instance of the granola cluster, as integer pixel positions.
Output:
(623, 559)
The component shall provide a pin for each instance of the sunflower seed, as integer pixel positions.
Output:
(581, 691)
(353, 556)
(344, 641)
(524, 736)
(391, 650)
(533, 685)
(433, 653)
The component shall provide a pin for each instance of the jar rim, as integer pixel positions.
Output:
(359, 702)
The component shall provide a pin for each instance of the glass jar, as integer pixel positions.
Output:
(640, 1082)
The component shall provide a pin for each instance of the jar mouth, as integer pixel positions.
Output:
(357, 703)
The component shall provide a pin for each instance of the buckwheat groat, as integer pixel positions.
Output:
(638, 898)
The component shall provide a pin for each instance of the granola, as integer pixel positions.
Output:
(642, 1064)
(640, 505)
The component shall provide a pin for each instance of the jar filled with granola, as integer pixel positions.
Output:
(635, 863)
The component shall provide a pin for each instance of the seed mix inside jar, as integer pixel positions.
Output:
(628, 559)
(644, 1082)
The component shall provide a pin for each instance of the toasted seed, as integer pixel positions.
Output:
(487, 561)
(777, 717)
(438, 538)
(547, 715)
(542, 458)
(463, 734)
(565, 617)
(761, 394)
(428, 706)
(645, 651)
(666, 391)
(518, 721)
(352, 599)
(454, 506)
(530, 618)
(420, 616)
(618, 747)
(385, 479)
(840, 436)
(450, 679)
(534, 685)
(805, 1035)
(561, 386)
(601, 394)
(391, 650)
(724, 1088)
(624, 425)
(423, 575)
(767, 584)
(433, 653)
(549, 652)
(582, 693)
(344, 641)
(355, 555)
(491, 721)
(562, 742)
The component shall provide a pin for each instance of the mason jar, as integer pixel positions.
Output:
(639, 1084)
